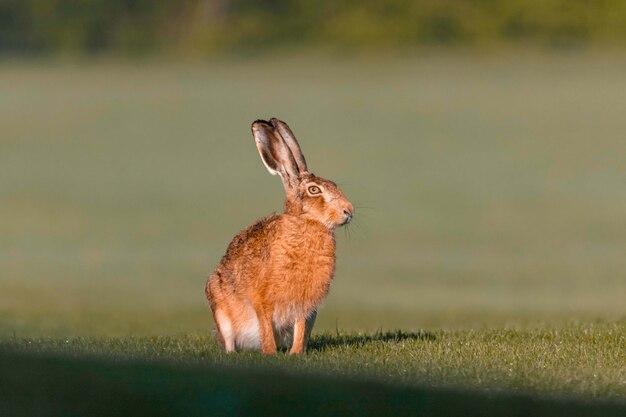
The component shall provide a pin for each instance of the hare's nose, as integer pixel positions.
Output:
(348, 212)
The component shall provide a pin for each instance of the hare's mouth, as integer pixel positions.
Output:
(347, 218)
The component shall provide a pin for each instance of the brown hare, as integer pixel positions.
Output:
(268, 286)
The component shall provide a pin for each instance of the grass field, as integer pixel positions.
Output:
(490, 226)
(574, 371)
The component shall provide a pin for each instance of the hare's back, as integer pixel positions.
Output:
(250, 247)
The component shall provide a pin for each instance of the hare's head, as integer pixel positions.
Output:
(307, 195)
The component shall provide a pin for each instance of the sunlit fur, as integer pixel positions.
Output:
(267, 288)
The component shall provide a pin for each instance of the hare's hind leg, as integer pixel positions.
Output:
(225, 330)
(224, 326)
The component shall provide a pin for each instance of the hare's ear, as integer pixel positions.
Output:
(292, 143)
(275, 153)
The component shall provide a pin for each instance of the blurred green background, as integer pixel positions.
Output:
(202, 27)
(482, 143)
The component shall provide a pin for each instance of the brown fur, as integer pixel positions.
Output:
(278, 271)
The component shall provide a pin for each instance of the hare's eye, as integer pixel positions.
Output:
(314, 189)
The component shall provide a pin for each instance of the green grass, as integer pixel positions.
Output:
(36, 385)
(490, 215)
(474, 372)
(576, 360)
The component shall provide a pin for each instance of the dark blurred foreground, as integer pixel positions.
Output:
(202, 27)
(36, 385)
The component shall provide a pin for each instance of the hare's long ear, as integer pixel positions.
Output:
(292, 143)
(275, 154)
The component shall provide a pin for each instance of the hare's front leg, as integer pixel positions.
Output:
(299, 336)
(266, 332)
(308, 327)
